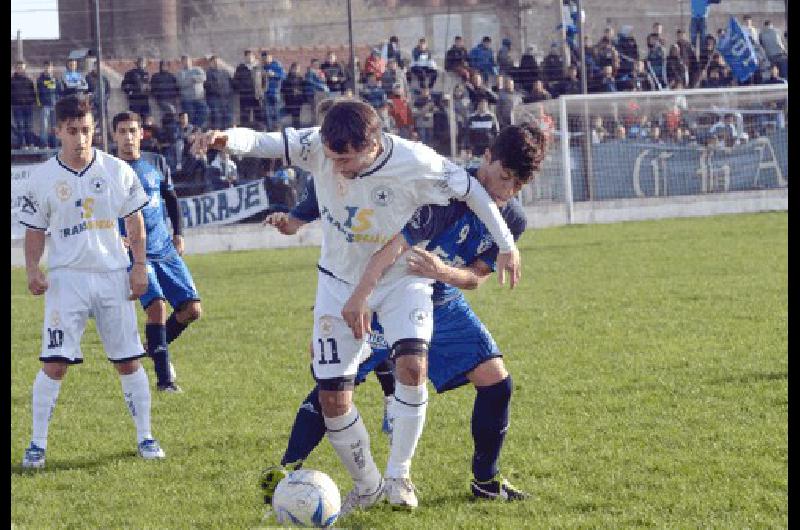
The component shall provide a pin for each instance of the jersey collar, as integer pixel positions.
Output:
(81, 172)
(383, 158)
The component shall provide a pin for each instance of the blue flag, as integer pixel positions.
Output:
(738, 51)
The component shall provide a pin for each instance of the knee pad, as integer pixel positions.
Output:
(403, 347)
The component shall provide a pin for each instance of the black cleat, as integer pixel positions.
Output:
(497, 489)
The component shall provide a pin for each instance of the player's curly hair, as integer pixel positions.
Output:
(521, 149)
(72, 107)
(349, 124)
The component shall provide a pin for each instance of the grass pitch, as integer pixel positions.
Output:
(650, 362)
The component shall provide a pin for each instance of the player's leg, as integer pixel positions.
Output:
(337, 355)
(490, 421)
(406, 314)
(180, 291)
(65, 314)
(115, 317)
(155, 329)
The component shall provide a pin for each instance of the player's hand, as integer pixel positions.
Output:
(279, 220)
(511, 262)
(177, 240)
(424, 263)
(37, 282)
(126, 244)
(357, 315)
(138, 281)
(201, 142)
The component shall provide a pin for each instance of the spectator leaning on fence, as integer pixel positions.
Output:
(136, 85)
(46, 97)
(72, 81)
(249, 81)
(218, 89)
(193, 100)
(23, 98)
(164, 88)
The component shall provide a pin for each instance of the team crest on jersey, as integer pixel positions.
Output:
(382, 196)
(98, 184)
(326, 326)
(63, 191)
(419, 317)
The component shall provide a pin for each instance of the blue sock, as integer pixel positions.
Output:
(385, 374)
(157, 349)
(174, 328)
(489, 425)
(308, 430)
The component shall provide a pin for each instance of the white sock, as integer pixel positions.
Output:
(136, 389)
(350, 440)
(407, 412)
(45, 394)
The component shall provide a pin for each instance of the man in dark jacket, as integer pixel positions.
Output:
(249, 81)
(457, 59)
(23, 97)
(218, 95)
(164, 88)
(335, 75)
(136, 85)
(47, 95)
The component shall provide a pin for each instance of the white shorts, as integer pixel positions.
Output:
(404, 309)
(72, 297)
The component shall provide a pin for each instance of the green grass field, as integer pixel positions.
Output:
(650, 362)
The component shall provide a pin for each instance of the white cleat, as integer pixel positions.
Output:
(356, 501)
(149, 449)
(401, 493)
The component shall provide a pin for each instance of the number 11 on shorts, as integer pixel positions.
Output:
(333, 351)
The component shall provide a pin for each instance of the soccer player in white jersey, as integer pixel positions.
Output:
(77, 196)
(369, 184)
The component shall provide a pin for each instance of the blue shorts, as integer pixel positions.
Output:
(460, 343)
(168, 278)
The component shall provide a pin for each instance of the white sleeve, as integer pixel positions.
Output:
(33, 213)
(297, 147)
(487, 211)
(135, 196)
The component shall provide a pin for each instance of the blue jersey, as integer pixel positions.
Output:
(453, 232)
(154, 174)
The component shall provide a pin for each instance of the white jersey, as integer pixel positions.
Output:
(360, 215)
(81, 211)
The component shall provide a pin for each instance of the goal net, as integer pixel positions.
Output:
(631, 150)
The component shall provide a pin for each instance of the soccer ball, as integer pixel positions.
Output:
(306, 498)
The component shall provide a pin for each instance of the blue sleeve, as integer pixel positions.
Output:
(431, 220)
(307, 208)
(515, 218)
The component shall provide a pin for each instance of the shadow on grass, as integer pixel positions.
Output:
(66, 465)
(749, 378)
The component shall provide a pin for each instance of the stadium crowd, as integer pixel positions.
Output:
(411, 92)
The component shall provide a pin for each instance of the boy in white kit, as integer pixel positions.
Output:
(369, 184)
(77, 196)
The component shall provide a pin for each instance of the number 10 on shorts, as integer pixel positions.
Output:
(332, 350)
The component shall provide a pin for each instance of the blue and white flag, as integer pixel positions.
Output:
(738, 51)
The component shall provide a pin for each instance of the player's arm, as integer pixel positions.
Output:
(34, 248)
(284, 222)
(467, 188)
(134, 227)
(174, 213)
(305, 211)
(355, 311)
(241, 141)
(429, 265)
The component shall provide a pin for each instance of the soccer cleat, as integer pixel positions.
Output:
(150, 450)
(497, 489)
(169, 388)
(34, 457)
(356, 501)
(401, 493)
(172, 375)
(387, 425)
(271, 476)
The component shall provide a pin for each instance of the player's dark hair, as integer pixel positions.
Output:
(72, 107)
(350, 124)
(128, 115)
(520, 149)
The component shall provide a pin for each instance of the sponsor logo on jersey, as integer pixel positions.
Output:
(63, 191)
(98, 184)
(91, 224)
(382, 196)
(419, 317)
